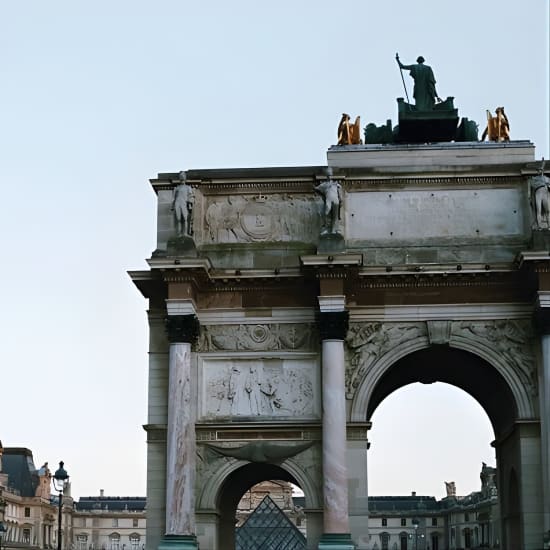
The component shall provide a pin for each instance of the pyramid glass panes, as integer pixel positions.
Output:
(268, 528)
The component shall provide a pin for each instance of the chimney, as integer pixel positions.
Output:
(101, 493)
(413, 493)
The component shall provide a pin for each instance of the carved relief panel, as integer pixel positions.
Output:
(259, 218)
(258, 388)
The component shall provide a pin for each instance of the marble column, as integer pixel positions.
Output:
(542, 318)
(333, 326)
(181, 444)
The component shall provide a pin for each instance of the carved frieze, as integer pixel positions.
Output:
(511, 341)
(259, 388)
(277, 217)
(260, 337)
(367, 342)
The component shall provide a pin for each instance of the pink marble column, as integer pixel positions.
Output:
(181, 445)
(542, 321)
(333, 327)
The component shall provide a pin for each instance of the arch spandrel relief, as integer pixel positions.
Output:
(368, 342)
(506, 344)
(260, 218)
(510, 340)
(215, 463)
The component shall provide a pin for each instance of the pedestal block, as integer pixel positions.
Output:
(178, 542)
(336, 541)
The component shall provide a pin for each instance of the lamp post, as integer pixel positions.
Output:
(3, 528)
(60, 479)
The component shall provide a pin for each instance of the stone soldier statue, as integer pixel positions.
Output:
(540, 197)
(332, 196)
(182, 206)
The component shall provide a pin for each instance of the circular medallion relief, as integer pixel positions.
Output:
(257, 221)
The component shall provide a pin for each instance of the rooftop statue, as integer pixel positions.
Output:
(182, 206)
(429, 120)
(348, 133)
(332, 199)
(450, 488)
(424, 92)
(540, 196)
(498, 127)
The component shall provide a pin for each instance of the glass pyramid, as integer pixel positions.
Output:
(268, 528)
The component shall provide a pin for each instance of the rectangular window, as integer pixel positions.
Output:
(466, 516)
(384, 522)
(403, 522)
(135, 522)
(115, 522)
(434, 522)
(27, 512)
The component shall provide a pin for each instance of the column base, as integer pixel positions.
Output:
(178, 542)
(336, 541)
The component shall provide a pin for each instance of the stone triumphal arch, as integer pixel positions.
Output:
(285, 304)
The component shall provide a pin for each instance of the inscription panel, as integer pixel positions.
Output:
(258, 388)
(424, 214)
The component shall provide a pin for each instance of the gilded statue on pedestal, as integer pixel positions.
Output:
(498, 127)
(348, 133)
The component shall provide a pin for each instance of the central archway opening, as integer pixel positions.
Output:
(250, 505)
(432, 471)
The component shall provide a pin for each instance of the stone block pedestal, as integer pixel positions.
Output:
(331, 243)
(178, 542)
(336, 541)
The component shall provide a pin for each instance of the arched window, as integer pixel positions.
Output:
(114, 541)
(134, 541)
(385, 540)
(467, 538)
(403, 540)
(81, 541)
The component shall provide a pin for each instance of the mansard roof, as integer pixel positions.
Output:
(18, 464)
(118, 504)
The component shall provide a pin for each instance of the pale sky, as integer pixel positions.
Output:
(98, 96)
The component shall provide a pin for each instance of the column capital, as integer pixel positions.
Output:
(333, 325)
(182, 328)
(180, 306)
(332, 303)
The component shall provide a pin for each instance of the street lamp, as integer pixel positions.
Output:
(3, 528)
(2, 531)
(60, 479)
(415, 523)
